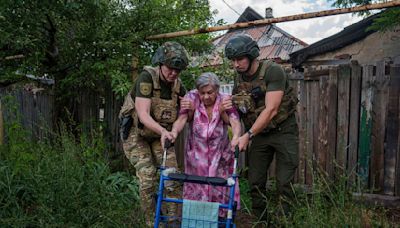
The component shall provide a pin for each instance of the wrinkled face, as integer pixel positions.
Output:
(208, 95)
(170, 74)
(241, 63)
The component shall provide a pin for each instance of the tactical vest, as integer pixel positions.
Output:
(249, 98)
(163, 111)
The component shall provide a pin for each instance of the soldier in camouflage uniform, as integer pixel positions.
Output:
(151, 108)
(266, 104)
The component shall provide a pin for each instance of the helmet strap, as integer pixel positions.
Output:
(250, 65)
(162, 74)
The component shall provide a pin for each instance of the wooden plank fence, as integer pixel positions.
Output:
(349, 124)
(35, 104)
(348, 119)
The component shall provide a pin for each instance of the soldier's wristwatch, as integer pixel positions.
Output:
(250, 133)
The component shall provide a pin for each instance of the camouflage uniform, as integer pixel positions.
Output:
(280, 137)
(142, 146)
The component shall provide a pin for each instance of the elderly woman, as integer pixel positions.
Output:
(208, 150)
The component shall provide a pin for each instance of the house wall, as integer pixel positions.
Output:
(373, 48)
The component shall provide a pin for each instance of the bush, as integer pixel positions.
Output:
(63, 183)
(328, 204)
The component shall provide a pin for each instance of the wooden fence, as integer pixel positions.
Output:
(34, 106)
(36, 103)
(348, 118)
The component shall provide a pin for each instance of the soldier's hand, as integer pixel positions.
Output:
(186, 104)
(166, 135)
(174, 135)
(243, 142)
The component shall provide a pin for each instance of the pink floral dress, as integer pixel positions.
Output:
(208, 151)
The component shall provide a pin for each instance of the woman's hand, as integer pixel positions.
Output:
(234, 142)
(225, 104)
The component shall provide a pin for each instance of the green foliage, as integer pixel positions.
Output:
(328, 204)
(388, 20)
(83, 44)
(64, 183)
(21, 154)
(224, 71)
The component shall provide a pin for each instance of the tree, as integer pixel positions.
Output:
(388, 20)
(85, 44)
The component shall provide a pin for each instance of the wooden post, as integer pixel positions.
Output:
(324, 109)
(1, 126)
(309, 135)
(302, 113)
(332, 114)
(343, 118)
(365, 124)
(355, 95)
(379, 104)
(391, 183)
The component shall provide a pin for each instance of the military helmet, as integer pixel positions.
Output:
(171, 54)
(242, 45)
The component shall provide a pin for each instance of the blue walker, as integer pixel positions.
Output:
(227, 222)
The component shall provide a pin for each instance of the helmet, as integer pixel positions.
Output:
(171, 54)
(242, 45)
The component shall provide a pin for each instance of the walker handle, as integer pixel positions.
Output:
(236, 151)
(167, 144)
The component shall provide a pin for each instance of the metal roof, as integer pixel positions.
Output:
(274, 42)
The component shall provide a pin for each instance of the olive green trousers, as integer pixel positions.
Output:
(281, 142)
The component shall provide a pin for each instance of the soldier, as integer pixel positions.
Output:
(266, 104)
(151, 108)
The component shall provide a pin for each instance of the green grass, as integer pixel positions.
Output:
(328, 204)
(64, 182)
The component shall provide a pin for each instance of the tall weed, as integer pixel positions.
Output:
(326, 204)
(62, 183)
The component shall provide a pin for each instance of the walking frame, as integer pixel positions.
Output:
(230, 183)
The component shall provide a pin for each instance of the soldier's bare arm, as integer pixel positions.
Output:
(178, 125)
(142, 106)
(236, 131)
(272, 101)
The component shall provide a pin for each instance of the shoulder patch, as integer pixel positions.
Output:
(145, 88)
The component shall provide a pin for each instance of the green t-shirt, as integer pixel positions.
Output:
(144, 87)
(275, 77)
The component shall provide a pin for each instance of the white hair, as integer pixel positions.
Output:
(207, 78)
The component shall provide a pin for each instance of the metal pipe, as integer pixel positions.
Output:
(277, 20)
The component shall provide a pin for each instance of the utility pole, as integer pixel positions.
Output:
(278, 20)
